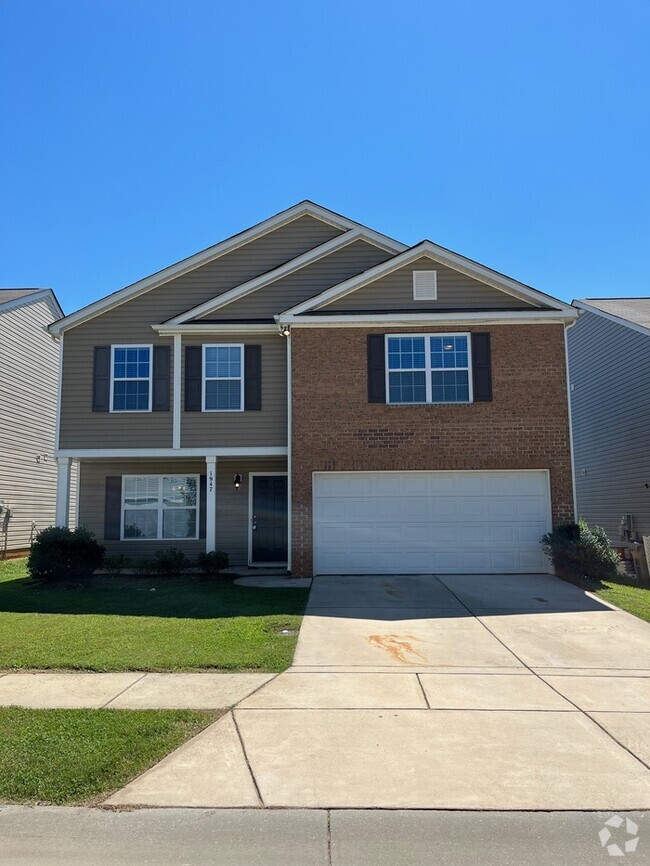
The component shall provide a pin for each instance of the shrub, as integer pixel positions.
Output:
(212, 563)
(170, 561)
(579, 550)
(60, 554)
(115, 563)
(144, 566)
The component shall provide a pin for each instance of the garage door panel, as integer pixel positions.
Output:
(423, 522)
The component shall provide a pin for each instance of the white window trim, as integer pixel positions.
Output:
(428, 369)
(434, 296)
(205, 379)
(148, 346)
(161, 509)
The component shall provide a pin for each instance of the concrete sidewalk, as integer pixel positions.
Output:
(500, 692)
(127, 691)
(51, 836)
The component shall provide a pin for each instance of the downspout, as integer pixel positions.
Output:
(286, 332)
(568, 397)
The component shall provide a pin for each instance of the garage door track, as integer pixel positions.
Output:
(462, 692)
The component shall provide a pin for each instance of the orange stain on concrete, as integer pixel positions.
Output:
(398, 646)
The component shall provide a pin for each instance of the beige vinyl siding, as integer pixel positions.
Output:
(264, 427)
(232, 504)
(305, 283)
(455, 291)
(131, 323)
(29, 360)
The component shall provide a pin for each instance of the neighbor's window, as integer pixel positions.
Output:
(131, 379)
(160, 506)
(223, 380)
(427, 368)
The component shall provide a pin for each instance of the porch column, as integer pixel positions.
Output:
(211, 505)
(62, 513)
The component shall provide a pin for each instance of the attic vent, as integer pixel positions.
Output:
(425, 285)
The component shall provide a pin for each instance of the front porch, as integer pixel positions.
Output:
(137, 505)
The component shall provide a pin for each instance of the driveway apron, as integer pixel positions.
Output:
(449, 691)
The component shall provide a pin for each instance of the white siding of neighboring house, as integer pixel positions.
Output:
(609, 368)
(29, 360)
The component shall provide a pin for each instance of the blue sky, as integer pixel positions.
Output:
(137, 132)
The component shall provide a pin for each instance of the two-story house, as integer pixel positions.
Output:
(313, 393)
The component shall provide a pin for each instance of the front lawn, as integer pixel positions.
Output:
(630, 597)
(72, 757)
(148, 624)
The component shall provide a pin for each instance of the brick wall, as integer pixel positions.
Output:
(525, 426)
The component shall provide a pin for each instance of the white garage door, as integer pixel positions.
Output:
(427, 522)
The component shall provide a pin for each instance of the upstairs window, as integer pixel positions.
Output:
(428, 368)
(223, 378)
(131, 379)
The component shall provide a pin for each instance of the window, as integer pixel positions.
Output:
(131, 379)
(431, 368)
(223, 380)
(160, 506)
(425, 285)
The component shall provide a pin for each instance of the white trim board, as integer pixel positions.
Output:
(437, 254)
(156, 453)
(221, 328)
(357, 320)
(303, 208)
(618, 320)
(290, 267)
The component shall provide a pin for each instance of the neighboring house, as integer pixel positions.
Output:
(609, 363)
(29, 373)
(314, 394)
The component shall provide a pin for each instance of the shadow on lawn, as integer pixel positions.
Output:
(188, 597)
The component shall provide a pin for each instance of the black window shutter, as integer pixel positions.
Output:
(101, 378)
(112, 507)
(193, 355)
(481, 367)
(376, 368)
(252, 377)
(161, 361)
(203, 489)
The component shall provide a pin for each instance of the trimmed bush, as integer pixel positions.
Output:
(170, 561)
(578, 550)
(60, 554)
(116, 563)
(212, 563)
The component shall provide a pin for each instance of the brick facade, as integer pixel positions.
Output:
(334, 427)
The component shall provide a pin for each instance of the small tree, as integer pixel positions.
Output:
(60, 554)
(579, 550)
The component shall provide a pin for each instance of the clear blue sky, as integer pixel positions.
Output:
(137, 132)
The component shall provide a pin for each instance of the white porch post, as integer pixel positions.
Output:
(211, 504)
(63, 469)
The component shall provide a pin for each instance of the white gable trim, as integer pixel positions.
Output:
(304, 208)
(40, 295)
(633, 326)
(437, 254)
(284, 270)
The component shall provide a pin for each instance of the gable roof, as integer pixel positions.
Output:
(303, 208)
(632, 312)
(437, 254)
(293, 265)
(12, 298)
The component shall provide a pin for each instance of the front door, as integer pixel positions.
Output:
(269, 519)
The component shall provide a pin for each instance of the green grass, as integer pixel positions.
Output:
(71, 757)
(635, 599)
(135, 623)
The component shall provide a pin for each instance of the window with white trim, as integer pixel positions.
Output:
(160, 506)
(428, 368)
(131, 378)
(223, 378)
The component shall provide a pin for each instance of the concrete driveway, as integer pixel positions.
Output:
(463, 692)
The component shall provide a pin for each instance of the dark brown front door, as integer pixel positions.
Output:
(269, 518)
